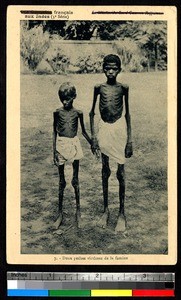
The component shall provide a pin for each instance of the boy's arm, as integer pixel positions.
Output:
(84, 133)
(55, 157)
(95, 146)
(92, 112)
(128, 149)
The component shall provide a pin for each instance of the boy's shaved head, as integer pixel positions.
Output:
(112, 58)
(67, 90)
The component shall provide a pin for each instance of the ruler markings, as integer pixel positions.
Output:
(136, 277)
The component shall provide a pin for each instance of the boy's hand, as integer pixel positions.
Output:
(55, 159)
(128, 150)
(95, 147)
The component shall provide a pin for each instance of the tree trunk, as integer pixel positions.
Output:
(156, 57)
(148, 67)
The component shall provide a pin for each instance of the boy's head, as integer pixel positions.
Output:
(67, 93)
(112, 58)
(67, 90)
(111, 66)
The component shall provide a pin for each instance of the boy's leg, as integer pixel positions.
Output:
(62, 185)
(121, 223)
(75, 184)
(106, 172)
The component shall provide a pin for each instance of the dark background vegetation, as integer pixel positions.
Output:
(141, 45)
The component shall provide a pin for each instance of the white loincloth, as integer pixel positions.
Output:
(112, 138)
(69, 149)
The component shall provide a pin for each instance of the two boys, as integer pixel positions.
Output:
(114, 137)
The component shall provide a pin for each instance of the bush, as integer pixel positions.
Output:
(135, 64)
(130, 54)
(33, 44)
(77, 58)
(88, 64)
(24, 69)
(88, 58)
(58, 59)
(162, 65)
(44, 68)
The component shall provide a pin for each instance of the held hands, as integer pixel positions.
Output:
(95, 147)
(55, 159)
(128, 150)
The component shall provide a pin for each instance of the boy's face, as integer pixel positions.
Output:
(67, 103)
(111, 70)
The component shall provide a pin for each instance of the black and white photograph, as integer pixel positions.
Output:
(94, 179)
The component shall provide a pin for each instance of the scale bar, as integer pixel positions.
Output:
(44, 284)
(91, 293)
(91, 285)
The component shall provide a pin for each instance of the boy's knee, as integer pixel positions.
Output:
(62, 184)
(106, 172)
(120, 174)
(75, 182)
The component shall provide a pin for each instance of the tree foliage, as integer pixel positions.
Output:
(148, 38)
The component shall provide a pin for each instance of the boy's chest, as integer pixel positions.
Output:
(68, 115)
(67, 118)
(111, 93)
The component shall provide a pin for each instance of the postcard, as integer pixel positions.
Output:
(92, 135)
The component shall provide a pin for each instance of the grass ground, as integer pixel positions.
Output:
(146, 172)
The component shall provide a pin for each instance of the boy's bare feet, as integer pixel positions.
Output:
(58, 222)
(103, 220)
(121, 224)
